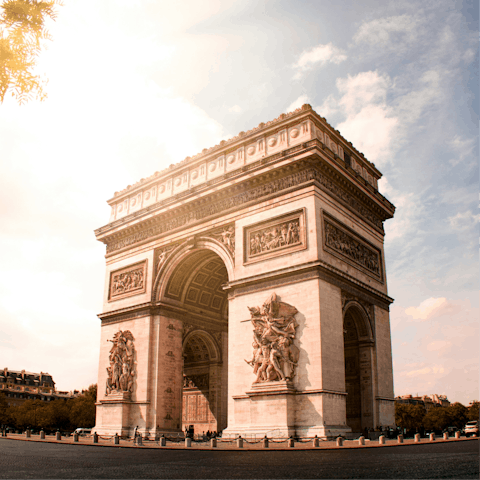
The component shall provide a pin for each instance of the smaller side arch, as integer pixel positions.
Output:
(361, 318)
(213, 349)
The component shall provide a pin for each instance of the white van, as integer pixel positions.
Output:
(83, 431)
(471, 428)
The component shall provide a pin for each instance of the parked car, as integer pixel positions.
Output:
(83, 431)
(471, 428)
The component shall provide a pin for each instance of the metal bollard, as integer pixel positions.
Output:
(417, 438)
(95, 437)
(163, 441)
(432, 437)
(445, 435)
(140, 440)
(213, 442)
(42, 435)
(265, 442)
(116, 439)
(457, 435)
(381, 440)
(361, 440)
(75, 437)
(240, 442)
(291, 442)
(339, 442)
(28, 433)
(316, 442)
(400, 439)
(58, 435)
(188, 442)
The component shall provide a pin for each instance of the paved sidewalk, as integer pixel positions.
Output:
(277, 444)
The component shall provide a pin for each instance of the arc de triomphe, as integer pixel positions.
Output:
(245, 291)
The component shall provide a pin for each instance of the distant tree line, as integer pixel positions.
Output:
(415, 418)
(61, 414)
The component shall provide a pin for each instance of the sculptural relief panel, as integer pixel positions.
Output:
(278, 236)
(128, 281)
(344, 243)
(121, 371)
(275, 356)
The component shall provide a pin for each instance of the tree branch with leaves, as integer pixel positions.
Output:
(23, 35)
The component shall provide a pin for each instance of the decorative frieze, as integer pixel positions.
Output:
(341, 241)
(165, 224)
(121, 372)
(128, 281)
(275, 357)
(278, 236)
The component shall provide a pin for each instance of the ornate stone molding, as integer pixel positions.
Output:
(128, 281)
(275, 357)
(166, 222)
(341, 241)
(278, 236)
(226, 235)
(121, 372)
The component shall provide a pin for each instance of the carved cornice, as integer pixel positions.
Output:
(271, 184)
(300, 273)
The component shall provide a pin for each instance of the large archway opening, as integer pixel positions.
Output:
(358, 346)
(195, 292)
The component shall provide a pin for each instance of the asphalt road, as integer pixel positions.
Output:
(19, 459)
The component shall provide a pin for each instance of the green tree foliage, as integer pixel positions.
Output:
(22, 37)
(473, 411)
(437, 419)
(458, 415)
(4, 410)
(409, 416)
(62, 414)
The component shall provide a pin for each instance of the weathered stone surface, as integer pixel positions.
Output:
(285, 219)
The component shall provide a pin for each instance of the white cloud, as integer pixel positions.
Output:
(380, 31)
(464, 220)
(440, 346)
(301, 100)
(236, 109)
(319, 55)
(430, 371)
(370, 124)
(432, 307)
(463, 147)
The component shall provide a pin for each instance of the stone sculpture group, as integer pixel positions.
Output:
(121, 371)
(275, 356)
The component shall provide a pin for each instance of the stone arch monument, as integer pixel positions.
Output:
(245, 291)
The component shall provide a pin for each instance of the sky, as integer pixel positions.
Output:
(136, 86)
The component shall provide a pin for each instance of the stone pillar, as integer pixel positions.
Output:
(457, 435)
(361, 440)
(42, 435)
(291, 442)
(240, 442)
(58, 435)
(213, 443)
(400, 439)
(445, 436)
(432, 437)
(417, 438)
(316, 442)
(339, 442)
(188, 442)
(167, 370)
(381, 439)
(265, 442)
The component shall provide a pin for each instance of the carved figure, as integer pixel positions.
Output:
(348, 246)
(163, 255)
(275, 356)
(278, 236)
(121, 373)
(127, 281)
(227, 237)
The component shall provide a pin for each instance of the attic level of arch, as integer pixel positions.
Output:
(286, 174)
